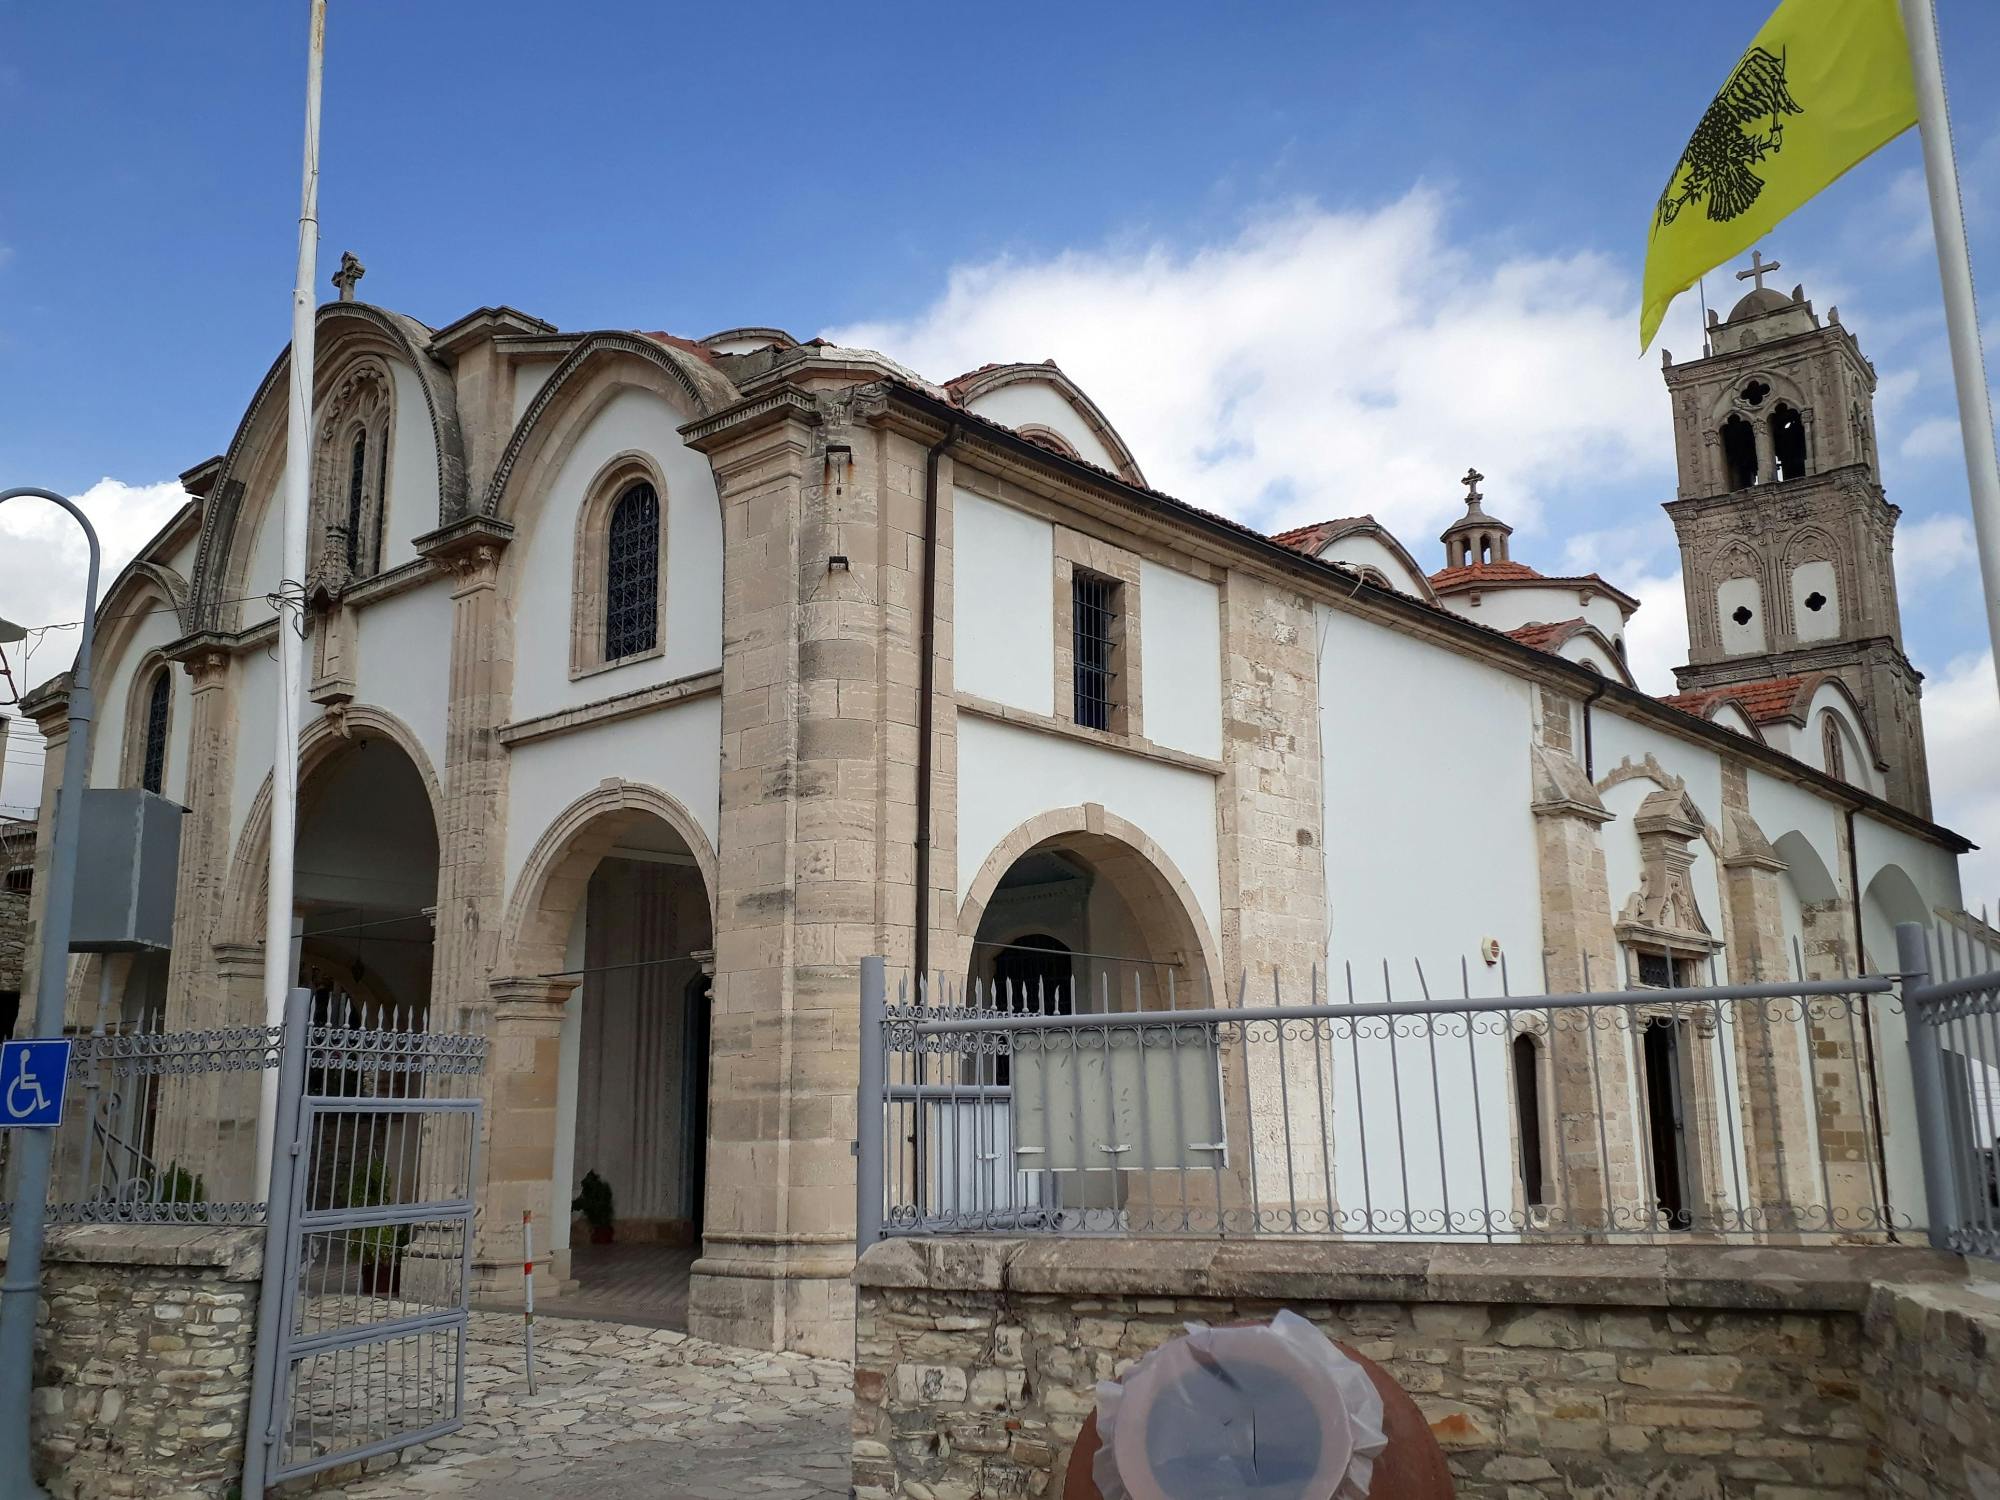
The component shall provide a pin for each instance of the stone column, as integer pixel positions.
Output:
(196, 997)
(1595, 1171)
(48, 706)
(820, 667)
(1837, 1044)
(471, 880)
(517, 1158)
(1769, 1060)
(1273, 871)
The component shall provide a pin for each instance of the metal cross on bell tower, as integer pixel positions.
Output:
(1759, 267)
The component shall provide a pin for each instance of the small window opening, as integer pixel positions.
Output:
(1618, 645)
(1658, 971)
(1666, 1122)
(1755, 392)
(1743, 614)
(1093, 619)
(1815, 601)
(632, 574)
(1739, 453)
(1528, 1118)
(357, 470)
(1833, 754)
(153, 764)
(1788, 442)
(20, 879)
(1485, 548)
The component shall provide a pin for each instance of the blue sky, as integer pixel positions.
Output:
(1221, 219)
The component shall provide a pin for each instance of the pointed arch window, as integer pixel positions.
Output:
(632, 573)
(153, 753)
(357, 478)
(351, 477)
(1833, 752)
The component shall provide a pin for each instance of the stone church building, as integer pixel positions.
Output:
(655, 681)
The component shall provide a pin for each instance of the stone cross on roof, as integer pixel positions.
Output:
(1758, 267)
(351, 270)
(1471, 483)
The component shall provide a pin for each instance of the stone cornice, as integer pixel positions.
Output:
(48, 703)
(464, 535)
(606, 710)
(786, 404)
(1124, 744)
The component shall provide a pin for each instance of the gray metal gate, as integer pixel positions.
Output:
(361, 1337)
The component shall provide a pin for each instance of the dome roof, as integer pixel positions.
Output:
(1754, 304)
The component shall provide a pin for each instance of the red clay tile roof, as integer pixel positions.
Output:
(1765, 701)
(1549, 637)
(1309, 539)
(700, 351)
(1480, 575)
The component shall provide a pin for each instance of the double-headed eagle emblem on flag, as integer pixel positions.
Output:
(1744, 125)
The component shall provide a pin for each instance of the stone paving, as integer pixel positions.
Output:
(622, 1412)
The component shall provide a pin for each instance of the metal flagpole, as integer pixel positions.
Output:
(279, 973)
(1961, 314)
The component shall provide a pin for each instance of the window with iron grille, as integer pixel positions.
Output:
(632, 574)
(357, 471)
(1658, 971)
(153, 764)
(1093, 622)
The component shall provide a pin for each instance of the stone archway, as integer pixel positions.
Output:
(608, 944)
(1108, 893)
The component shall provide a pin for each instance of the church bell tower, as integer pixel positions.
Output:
(1786, 538)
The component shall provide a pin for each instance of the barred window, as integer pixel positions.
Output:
(357, 471)
(632, 574)
(153, 763)
(1093, 621)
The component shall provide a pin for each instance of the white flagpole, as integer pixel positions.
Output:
(1961, 315)
(280, 967)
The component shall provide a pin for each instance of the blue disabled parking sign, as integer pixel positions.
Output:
(32, 1075)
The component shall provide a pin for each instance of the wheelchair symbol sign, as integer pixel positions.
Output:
(32, 1075)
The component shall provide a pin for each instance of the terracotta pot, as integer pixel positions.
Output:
(1412, 1467)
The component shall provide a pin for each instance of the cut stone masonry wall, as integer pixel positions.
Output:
(143, 1360)
(1642, 1371)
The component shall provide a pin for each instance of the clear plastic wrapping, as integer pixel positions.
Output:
(1269, 1412)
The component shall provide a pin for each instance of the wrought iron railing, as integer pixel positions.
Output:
(1748, 1111)
(1953, 994)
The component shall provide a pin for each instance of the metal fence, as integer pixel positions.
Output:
(142, 1140)
(1748, 1110)
(1952, 974)
(362, 1328)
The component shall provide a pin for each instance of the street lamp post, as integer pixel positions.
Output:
(20, 1290)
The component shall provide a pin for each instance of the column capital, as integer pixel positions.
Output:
(468, 548)
(205, 656)
(530, 991)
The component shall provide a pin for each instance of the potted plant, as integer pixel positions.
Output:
(379, 1247)
(593, 1201)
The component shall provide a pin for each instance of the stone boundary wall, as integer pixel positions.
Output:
(1690, 1372)
(143, 1358)
(1930, 1381)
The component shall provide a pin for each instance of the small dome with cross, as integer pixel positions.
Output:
(1760, 299)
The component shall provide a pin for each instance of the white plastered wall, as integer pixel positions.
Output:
(676, 750)
(530, 375)
(542, 563)
(1360, 550)
(1180, 626)
(411, 506)
(1020, 773)
(114, 701)
(404, 662)
(1003, 600)
(1511, 608)
(1031, 403)
(1430, 848)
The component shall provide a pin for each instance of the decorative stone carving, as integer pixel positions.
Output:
(1663, 912)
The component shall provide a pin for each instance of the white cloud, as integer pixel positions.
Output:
(43, 561)
(1961, 727)
(1934, 437)
(1318, 362)
(1931, 548)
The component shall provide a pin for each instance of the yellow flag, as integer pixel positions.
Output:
(1825, 83)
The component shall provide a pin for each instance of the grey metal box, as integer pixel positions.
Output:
(127, 865)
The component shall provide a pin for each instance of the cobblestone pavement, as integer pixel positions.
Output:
(622, 1412)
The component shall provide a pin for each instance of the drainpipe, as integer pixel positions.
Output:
(1868, 1021)
(1589, 753)
(926, 682)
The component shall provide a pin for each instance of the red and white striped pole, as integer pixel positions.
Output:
(528, 1289)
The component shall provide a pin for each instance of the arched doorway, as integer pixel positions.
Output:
(615, 902)
(366, 887)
